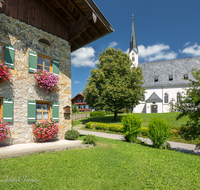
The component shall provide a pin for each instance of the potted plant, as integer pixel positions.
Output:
(47, 81)
(45, 130)
(4, 130)
(5, 72)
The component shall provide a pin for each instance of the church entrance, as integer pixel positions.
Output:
(154, 109)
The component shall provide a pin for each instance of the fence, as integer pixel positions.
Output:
(80, 116)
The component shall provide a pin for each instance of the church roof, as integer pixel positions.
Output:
(168, 73)
(133, 43)
(154, 98)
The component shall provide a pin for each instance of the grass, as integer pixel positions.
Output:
(170, 117)
(111, 164)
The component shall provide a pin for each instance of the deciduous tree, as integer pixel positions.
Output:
(115, 83)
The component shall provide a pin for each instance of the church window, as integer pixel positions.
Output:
(132, 53)
(178, 97)
(170, 77)
(133, 58)
(186, 76)
(156, 79)
(166, 97)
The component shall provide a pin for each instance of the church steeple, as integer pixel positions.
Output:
(133, 51)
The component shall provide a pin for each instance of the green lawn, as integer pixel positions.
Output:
(111, 164)
(170, 117)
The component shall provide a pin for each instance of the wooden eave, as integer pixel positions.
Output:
(75, 19)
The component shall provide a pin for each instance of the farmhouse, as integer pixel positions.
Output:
(164, 80)
(41, 34)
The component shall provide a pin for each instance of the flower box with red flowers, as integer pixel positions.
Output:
(4, 130)
(45, 130)
(5, 72)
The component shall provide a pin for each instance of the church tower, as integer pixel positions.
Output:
(133, 51)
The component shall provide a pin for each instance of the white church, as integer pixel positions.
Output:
(164, 80)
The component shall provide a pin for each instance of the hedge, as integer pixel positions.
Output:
(97, 114)
(105, 126)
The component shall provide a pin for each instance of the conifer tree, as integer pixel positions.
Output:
(115, 84)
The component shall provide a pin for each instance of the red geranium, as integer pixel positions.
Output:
(5, 72)
(4, 130)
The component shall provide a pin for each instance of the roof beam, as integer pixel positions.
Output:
(53, 10)
(65, 10)
(82, 14)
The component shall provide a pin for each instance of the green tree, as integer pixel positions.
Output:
(115, 84)
(189, 105)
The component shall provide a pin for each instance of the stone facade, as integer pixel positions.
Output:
(22, 87)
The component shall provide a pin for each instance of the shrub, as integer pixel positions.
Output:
(5, 73)
(159, 131)
(105, 126)
(71, 135)
(45, 130)
(132, 127)
(47, 81)
(89, 139)
(97, 114)
(4, 130)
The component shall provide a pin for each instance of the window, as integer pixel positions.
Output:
(178, 97)
(44, 41)
(156, 79)
(2, 46)
(1, 108)
(143, 98)
(42, 111)
(186, 76)
(166, 98)
(133, 58)
(170, 77)
(44, 63)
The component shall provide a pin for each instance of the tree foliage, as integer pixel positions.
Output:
(115, 84)
(190, 104)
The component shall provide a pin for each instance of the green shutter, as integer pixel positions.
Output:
(56, 63)
(8, 110)
(32, 62)
(55, 111)
(31, 111)
(10, 56)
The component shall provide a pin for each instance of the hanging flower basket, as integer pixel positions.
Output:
(5, 72)
(4, 130)
(45, 130)
(47, 81)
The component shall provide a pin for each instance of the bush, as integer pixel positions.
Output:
(45, 130)
(159, 131)
(132, 127)
(97, 114)
(4, 130)
(89, 139)
(71, 135)
(104, 126)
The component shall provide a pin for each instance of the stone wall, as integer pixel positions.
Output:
(22, 86)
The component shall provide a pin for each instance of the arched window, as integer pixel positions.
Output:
(166, 98)
(44, 41)
(143, 98)
(178, 97)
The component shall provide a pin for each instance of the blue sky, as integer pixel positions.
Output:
(167, 29)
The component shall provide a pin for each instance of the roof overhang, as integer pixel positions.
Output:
(85, 21)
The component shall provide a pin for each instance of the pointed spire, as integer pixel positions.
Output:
(133, 43)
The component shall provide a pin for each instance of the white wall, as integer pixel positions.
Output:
(162, 107)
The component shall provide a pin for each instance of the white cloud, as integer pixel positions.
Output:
(112, 44)
(155, 52)
(186, 44)
(191, 50)
(84, 57)
(77, 82)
